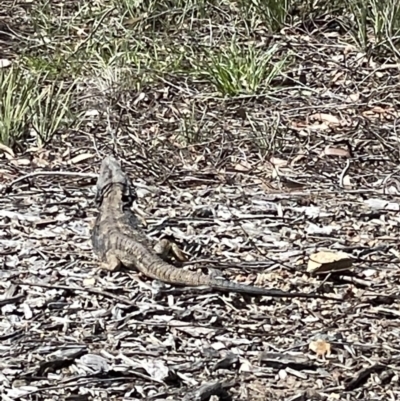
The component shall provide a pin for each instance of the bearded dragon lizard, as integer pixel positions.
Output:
(118, 241)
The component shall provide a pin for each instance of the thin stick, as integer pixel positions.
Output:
(64, 173)
(68, 288)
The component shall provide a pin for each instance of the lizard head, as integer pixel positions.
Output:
(112, 180)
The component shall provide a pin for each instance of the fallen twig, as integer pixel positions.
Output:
(62, 173)
(68, 288)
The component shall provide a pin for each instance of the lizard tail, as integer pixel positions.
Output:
(158, 269)
(224, 285)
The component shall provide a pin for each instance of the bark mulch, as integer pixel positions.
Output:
(267, 183)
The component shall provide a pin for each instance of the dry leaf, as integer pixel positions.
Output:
(4, 63)
(6, 149)
(382, 204)
(156, 368)
(354, 97)
(292, 184)
(140, 97)
(321, 348)
(314, 127)
(21, 162)
(318, 127)
(193, 331)
(93, 363)
(278, 162)
(5, 175)
(379, 110)
(92, 113)
(324, 117)
(299, 157)
(89, 281)
(347, 181)
(316, 229)
(329, 151)
(243, 166)
(275, 173)
(327, 262)
(81, 158)
(133, 21)
(42, 158)
(336, 77)
(245, 366)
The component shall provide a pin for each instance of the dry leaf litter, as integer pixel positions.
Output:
(331, 184)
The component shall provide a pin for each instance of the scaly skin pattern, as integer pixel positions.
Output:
(118, 241)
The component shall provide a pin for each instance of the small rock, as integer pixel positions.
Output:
(327, 262)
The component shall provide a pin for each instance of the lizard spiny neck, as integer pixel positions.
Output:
(113, 199)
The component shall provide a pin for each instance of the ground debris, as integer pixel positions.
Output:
(248, 186)
(206, 391)
(282, 361)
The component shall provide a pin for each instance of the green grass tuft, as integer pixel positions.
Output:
(243, 70)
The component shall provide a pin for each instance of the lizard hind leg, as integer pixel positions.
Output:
(166, 248)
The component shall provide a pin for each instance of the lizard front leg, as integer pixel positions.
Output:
(110, 262)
